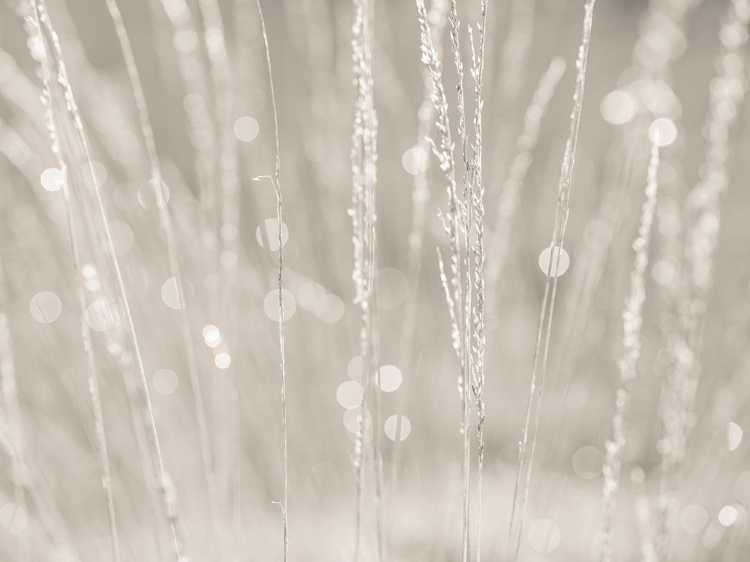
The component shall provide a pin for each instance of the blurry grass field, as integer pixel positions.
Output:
(198, 255)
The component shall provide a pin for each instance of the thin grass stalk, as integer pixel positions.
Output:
(165, 222)
(91, 367)
(41, 19)
(9, 390)
(510, 192)
(632, 321)
(282, 327)
(541, 352)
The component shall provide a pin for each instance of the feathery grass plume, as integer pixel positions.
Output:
(467, 218)
(419, 196)
(279, 209)
(12, 412)
(510, 192)
(165, 223)
(363, 213)
(61, 107)
(702, 221)
(478, 254)
(632, 316)
(452, 219)
(544, 332)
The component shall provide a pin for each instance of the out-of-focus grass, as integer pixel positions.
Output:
(310, 48)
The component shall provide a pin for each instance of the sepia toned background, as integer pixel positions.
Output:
(648, 61)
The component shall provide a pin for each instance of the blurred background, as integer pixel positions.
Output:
(648, 60)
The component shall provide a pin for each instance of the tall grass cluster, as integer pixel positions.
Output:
(203, 358)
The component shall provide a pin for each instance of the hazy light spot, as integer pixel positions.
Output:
(122, 237)
(351, 419)
(741, 488)
(544, 536)
(693, 518)
(415, 160)
(45, 307)
(193, 103)
(577, 396)
(587, 462)
(734, 436)
(271, 305)
(101, 315)
(329, 308)
(13, 517)
(223, 360)
(171, 295)
(185, 40)
(728, 515)
(662, 131)
(99, 170)
(147, 196)
(229, 231)
(228, 258)
(390, 427)
(393, 288)
(267, 234)
(354, 368)
(390, 378)
(246, 128)
(663, 446)
(165, 381)
(51, 179)
(618, 107)
(211, 335)
(544, 261)
(349, 394)
(711, 538)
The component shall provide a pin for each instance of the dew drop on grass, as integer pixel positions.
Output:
(271, 305)
(390, 378)
(170, 295)
(223, 360)
(51, 179)
(211, 335)
(354, 368)
(544, 261)
(728, 515)
(267, 234)
(391, 424)
(587, 462)
(349, 394)
(329, 308)
(246, 128)
(45, 307)
(693, 518)
(415, 160)
(544, 536)
(618, 107)
(734, 436)
(165, 381)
